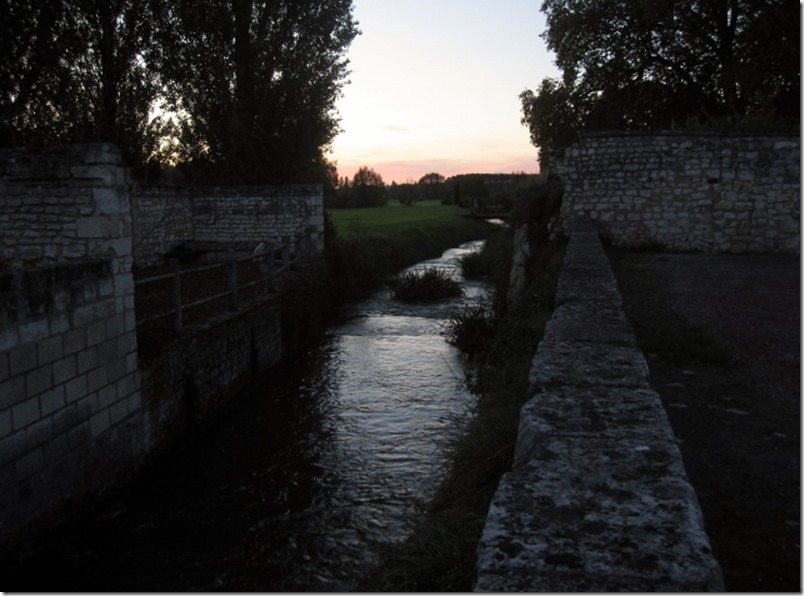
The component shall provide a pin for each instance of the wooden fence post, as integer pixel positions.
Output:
(271, 270)
(308, 237)
(175, 294)
(232, 280)
(298, 250)
(285, 251)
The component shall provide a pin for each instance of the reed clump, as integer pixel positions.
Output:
(429, 285)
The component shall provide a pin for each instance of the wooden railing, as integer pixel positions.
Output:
(170, 295)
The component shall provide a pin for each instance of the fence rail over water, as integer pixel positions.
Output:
(175, 292)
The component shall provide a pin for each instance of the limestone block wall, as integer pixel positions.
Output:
(703, 192)
(164, 217)
(79, 410)
(70, 400)
(597, 499)
(209, 362)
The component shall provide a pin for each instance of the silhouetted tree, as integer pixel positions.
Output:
(247, 87)
(77, 70)
(646, 64)
(254, 83)
(432, 187)
(368, 189)
(432, 178)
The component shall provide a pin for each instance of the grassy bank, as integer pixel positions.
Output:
(405, 234)
(367, 245)
(394, 220)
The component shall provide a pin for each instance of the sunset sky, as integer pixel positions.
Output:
(435, 85)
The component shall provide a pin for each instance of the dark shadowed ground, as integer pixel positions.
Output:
(721, 334)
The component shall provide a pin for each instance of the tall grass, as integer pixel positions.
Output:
(428, 286)
(471, 329)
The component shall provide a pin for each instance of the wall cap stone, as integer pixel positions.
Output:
(597, 499)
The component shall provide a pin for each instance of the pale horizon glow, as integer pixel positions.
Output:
(435, 87)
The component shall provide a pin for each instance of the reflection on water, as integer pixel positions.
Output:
(296, 486)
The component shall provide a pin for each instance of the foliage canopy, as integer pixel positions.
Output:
(234, 91)
(659, 64)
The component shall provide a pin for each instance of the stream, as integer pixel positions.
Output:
(297, 484)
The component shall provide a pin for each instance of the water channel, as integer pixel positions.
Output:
(295, 487)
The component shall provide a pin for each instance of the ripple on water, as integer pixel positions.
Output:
(395, 388)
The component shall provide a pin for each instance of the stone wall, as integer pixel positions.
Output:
(704, 192)
(597, 499)
(80, 409)
(70, 400)
(196, 373)
(165, 217)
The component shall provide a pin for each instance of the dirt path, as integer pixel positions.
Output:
(721, 334)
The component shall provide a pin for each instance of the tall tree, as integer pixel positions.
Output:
(76, 70)
(368, 188)
(39, 89)
(432, 187)
(247, 87)
(254, 83)
(432, 178)
(641, 64)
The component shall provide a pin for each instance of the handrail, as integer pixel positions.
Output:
(273, 272)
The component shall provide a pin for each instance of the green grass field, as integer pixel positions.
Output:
(395, 220)
(375, 242)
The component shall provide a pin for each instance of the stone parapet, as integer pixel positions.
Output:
(597, 499)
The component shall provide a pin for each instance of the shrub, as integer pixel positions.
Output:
(470, 330)
(491, 260)
(473, 265)
(433, 284)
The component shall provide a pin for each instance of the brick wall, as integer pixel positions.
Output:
(707, 192)
(164, 217)
(70, 401)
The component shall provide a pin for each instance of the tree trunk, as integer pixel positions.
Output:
(107, 119)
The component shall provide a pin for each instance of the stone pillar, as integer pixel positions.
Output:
(70, 402)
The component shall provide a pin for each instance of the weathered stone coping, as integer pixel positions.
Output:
(598, 499)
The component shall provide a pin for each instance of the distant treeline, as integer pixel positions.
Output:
(485, 192)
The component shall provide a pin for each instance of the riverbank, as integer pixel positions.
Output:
(364, 246)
